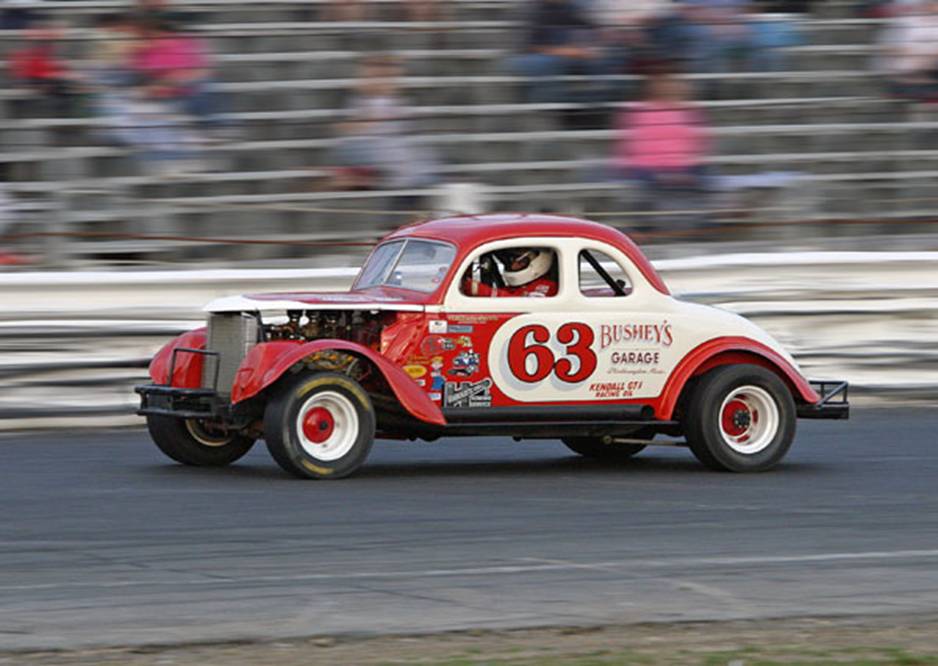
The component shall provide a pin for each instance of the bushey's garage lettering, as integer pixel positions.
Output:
(651, 334)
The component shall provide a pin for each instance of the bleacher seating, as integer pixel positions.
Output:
(824, 121)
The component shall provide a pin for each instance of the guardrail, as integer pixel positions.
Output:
(73, 344)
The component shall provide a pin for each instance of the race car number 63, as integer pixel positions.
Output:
(576, 337)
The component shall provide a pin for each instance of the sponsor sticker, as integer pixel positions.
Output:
(437, 326)
(468, 394)
(415, 371)
(461, 328)
(465, 364)
(435, 344)
(475, 318)
(436, 374)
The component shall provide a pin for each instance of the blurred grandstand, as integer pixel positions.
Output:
(814, 144)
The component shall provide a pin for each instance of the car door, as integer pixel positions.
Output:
(605, 337)
(632, 326)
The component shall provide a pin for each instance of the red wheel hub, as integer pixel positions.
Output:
(736, 418)
(318, 425)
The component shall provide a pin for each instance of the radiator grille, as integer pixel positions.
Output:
(231, 335)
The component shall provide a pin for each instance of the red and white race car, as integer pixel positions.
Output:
(531, 326)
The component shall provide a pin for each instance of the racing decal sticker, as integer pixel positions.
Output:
(465, 364)
(435, 345)
(460, 328)
(436, 374)
(415, 371)
(437, 326)
(468, 394)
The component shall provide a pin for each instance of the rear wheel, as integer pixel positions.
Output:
(320, 426)
(195, 442)
(740, 418)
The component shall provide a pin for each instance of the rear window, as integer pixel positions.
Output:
(601, 276)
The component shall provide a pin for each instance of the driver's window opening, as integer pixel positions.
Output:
(601, 276)
(520, 271)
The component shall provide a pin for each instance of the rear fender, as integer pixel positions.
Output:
(187, 373)
(268, 361)
(732, 351)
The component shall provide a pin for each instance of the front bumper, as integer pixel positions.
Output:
(832, 405)
(185, 403)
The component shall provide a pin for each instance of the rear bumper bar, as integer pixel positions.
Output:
(832, 405)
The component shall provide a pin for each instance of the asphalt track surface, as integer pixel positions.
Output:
(104, 542)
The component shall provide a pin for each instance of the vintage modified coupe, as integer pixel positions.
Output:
(530, 326)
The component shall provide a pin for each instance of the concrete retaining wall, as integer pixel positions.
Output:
(72, 344)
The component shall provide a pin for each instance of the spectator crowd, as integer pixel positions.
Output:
(146, 77)
(596, 64)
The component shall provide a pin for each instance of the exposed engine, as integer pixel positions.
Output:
(361, 326)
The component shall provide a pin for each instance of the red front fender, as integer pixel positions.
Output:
(267, 362)
(187, 373)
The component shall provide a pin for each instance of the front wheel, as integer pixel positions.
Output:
(741, 418)
(195, 442)
(320, 426)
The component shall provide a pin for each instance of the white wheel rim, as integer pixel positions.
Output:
(749, 419)
(203, 436)
(338, 413)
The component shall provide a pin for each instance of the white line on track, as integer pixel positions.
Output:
(534, 566)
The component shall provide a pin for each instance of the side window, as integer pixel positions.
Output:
(601, 276)
(526, 272)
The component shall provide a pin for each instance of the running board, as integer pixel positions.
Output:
(636, 413)
(554, 429)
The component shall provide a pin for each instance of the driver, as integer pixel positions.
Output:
(526, 272)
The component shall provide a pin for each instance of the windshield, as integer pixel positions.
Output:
(418, 265)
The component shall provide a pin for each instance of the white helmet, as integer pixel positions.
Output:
(531, 264)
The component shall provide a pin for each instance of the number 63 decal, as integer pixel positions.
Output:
(576, 337)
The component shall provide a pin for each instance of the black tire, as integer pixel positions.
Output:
(189, 442)
(723, 419)
(593, 447)
(329, 398)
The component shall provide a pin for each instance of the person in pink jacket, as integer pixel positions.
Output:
(663, 144)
